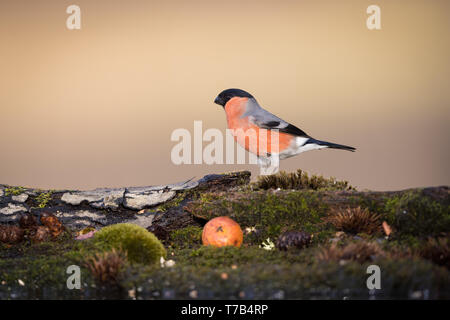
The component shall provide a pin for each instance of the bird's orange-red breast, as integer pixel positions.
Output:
(245, 132)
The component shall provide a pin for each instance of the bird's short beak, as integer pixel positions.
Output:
(218, 101)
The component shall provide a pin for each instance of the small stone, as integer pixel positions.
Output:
(193, 294)
(132, 293)
(169, 263)
(144, 221)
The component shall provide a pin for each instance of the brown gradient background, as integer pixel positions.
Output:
(96, 107)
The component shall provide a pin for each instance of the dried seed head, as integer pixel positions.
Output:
(106, 267)
(355, 220)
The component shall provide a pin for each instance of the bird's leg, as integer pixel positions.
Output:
(269, 165)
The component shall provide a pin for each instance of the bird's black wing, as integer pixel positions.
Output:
(269, 121)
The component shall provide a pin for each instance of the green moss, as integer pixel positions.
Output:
(208, 256)
(280, 279)
(141, 246)
(322, 236)
(250, 273)
(415, 214)
(14, 191)
(186, 237)
(175, 202)
(43, 199)
(43, 264)
(372, 203)
(300, 180)
(268, 212)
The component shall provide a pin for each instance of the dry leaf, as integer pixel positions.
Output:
(387, 228)
(11, 234)
(52, 223)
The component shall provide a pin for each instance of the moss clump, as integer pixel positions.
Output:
(300, 180)
(14, 191)
(188, 237)
(416, 214)
(43, 199)
(140, 245)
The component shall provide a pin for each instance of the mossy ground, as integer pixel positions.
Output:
(414, 259)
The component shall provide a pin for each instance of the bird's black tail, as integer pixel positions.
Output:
(330, 145)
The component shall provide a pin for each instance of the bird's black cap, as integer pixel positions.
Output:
(226, 95)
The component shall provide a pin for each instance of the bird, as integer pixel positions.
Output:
(244, 115)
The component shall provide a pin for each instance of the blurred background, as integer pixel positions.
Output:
(95, 107)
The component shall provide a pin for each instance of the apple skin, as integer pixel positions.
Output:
(221, 232)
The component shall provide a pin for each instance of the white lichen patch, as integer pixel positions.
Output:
(20, 198)
(140, 200)
(12, 209)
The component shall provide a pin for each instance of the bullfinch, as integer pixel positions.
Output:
(245, 115)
